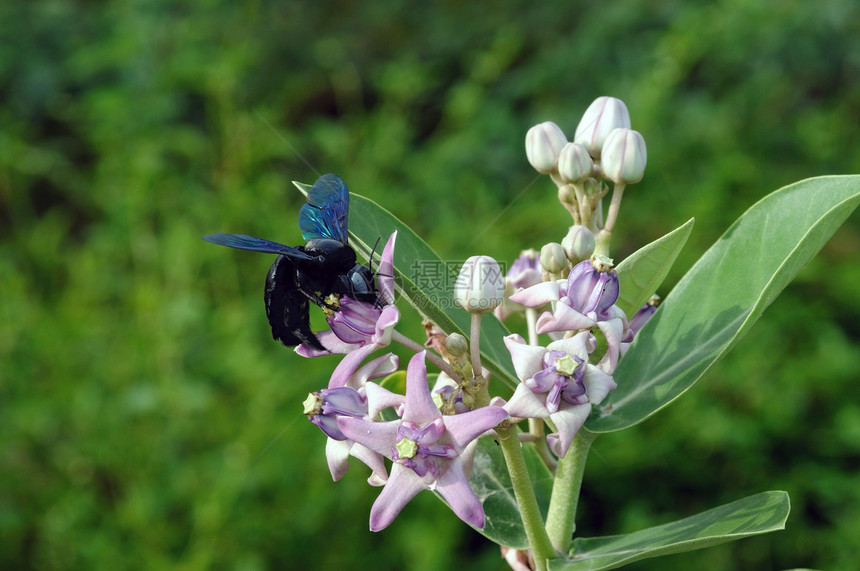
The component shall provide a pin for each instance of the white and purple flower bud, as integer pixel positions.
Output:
(574, 163)
(525, 271)
(360, 323)
(601, 117)
(592, 287)
(643, 315)
(553, 259)
(480, 286)
(578, 244)
(543, 145)
(323, 407)
(641, 318)
(638, 322)
(624, 156)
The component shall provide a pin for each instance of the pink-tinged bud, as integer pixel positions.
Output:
(624, 156)
(574, 163)
(578, 244)
(601, 117)
(480, 286)
(543, 145)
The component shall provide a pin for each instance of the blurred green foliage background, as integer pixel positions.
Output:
(147, 418)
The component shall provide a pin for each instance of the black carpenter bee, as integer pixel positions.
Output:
(325, 265)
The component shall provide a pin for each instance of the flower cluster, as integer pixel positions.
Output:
(603, 147)
(578, 287)
(427, 450)
(567, 291)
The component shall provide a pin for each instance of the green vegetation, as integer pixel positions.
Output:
(147, 418)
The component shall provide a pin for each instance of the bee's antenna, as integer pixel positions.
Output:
(370, 259)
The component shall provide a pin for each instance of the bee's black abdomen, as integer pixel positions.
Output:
(287, 307)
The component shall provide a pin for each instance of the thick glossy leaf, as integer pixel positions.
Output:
(424, 279)
(492, 484)
(641, 273)
(754, 515)
(724, 293)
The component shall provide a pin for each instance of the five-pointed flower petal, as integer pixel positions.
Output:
(559, 383)
(425, 448)
(584, 300)
(350, 393)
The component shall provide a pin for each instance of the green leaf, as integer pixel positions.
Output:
(754, 515)
(424, 279)
(492, 484)
(724, 293)
(641, 273)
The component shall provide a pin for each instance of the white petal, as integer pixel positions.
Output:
(537, 295)
(598, 384)
(568, 422)
(525, 404)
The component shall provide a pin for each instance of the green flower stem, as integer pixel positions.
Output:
(536, 431)
(561, 518)
(603, 237)
(432, 357)
(525, 495)
(475, 343)
(584, 204)
(531, 322)
(480, 389)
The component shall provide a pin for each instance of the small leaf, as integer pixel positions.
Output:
(724, 294)
(641, 273)
(492, 484)
(395, 382)
(753, 515)
(425, 280)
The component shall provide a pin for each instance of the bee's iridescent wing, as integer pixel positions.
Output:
(245, 242)
(325, 214)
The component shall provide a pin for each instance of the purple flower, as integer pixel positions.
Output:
(323, 407)
(358, 324)
(524, 272)
(639, 320)
(584, 300)
(557, 382)
(643, 315)
(425, 448)
(444, 388)
(350, 394)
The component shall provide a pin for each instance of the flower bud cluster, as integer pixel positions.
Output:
(604, 147)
